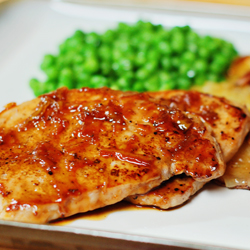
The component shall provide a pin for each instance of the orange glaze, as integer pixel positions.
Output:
(195, 102)
(127, 158)
(66, 144)
(230, 123)
(191, 101)
(102, 213)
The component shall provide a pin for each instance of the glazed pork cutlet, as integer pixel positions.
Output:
(72, 151)
(229, 123)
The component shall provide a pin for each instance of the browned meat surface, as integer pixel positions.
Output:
(78, 150)
(170, 193)
(230, 125)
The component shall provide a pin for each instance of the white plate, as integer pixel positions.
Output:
(216, 217)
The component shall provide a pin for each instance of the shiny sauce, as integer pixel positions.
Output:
(67, 145)
(191, 101)
(101, 213)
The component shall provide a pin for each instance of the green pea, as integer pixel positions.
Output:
(37, 86)
(90, 51)
(144, 46)
(50, 86)
(192, 47)
(212, 77)
(184, 68)
(178, 42)
(176, 62)
(148, 26)
(168, 85)
(106, 68)
(52, 73)
(152, 83)
(184, 83)
(188, 57)
(228, 51)
(138, 86)
(93, 39)
(206, 40)
(162, 36)
(63, 48)
(122, 66)
(105, 52)
(83, 83)
(200, 66)
(91, 65)
(153, 56)
(166, 63)
(165, 48)
(203, 53)
(147, 36)
(212, 45)
(139, 24)
(125, 64)
(68, 58)
(135, 41)
(123, 27)
(192, 37)
(61, 62)
(200, 80)
(218, 65)
(116, 54)
(114, 86)
(66, 73)
(175, 29)
(108, 37)
(66, 78)
(83, 77)
(164, 76)
(80, 35)
(123, 46)
(123, 83)
(186, 29)
(48, 61)
(129, 75)
(142, 74)
(98, 81)
(141, 58)
(78, 59)
(151, 66)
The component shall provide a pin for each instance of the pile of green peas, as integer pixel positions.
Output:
(139, 57)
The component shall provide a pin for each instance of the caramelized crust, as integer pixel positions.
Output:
(170, 193)
(230, 124)
(72, 151)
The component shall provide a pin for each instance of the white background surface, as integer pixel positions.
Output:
(28, 30)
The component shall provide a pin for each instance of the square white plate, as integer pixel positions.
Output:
(215, 218)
